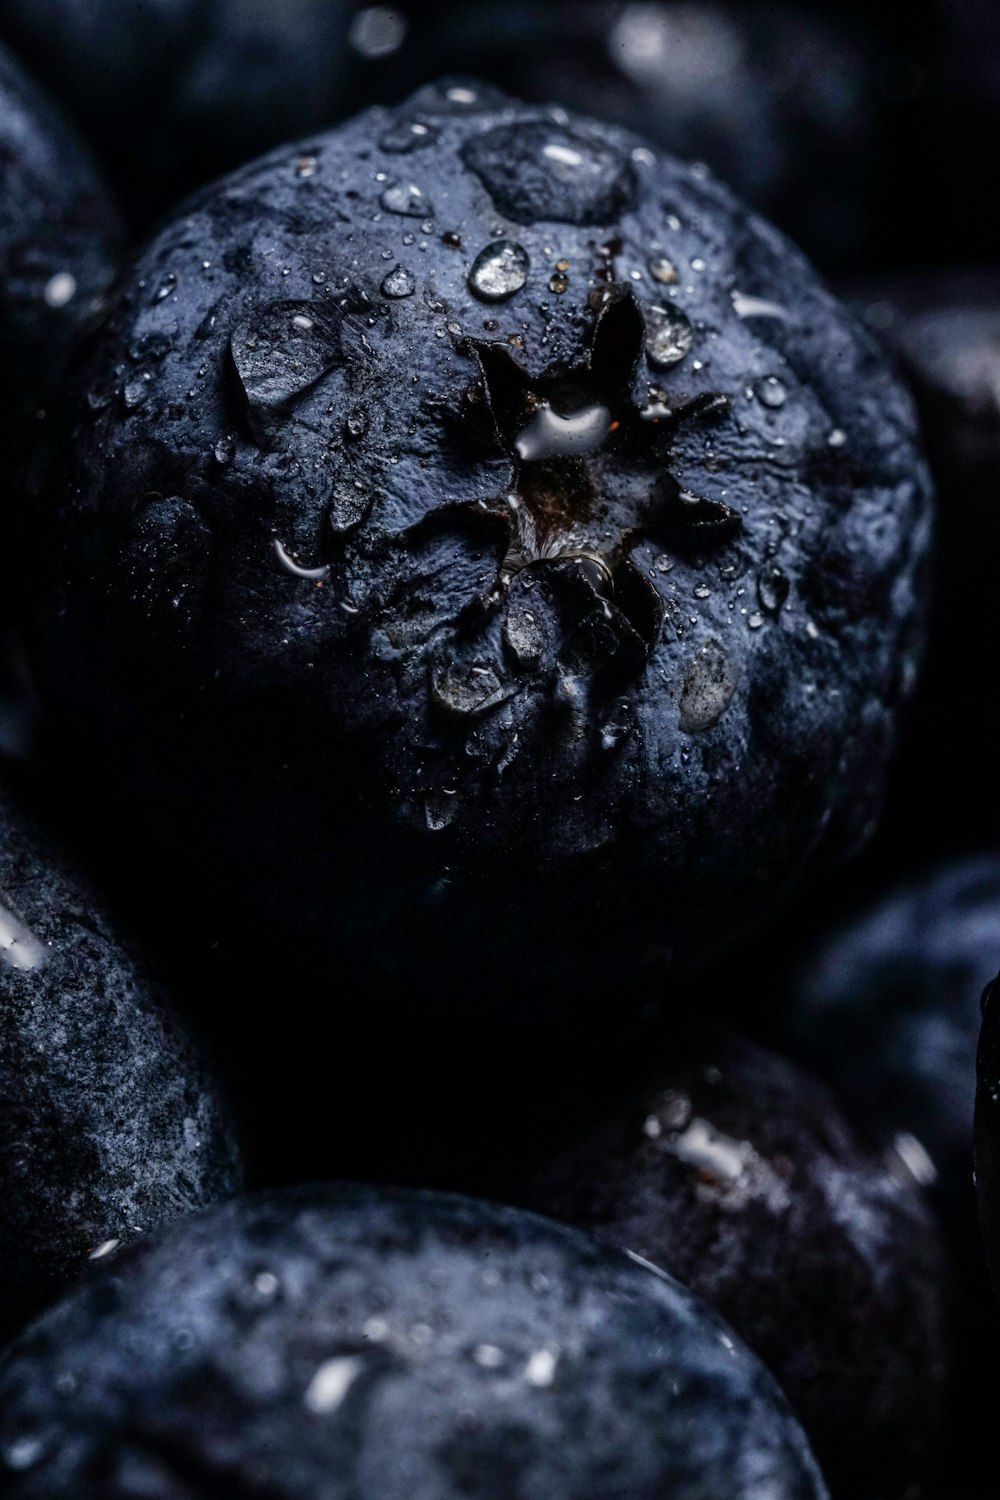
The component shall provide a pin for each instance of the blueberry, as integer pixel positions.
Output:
(738, 1174)
(506, 616)
(359, 1342)
(172, 92)
(110, 1122)
(887, 1009)
(59, 240)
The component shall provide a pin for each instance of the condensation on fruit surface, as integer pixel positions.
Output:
(708, 689)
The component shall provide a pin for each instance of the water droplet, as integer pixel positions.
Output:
(349, 506)
(771, 391)
(669, 335)
(377, 31)
(499, 270)
(703, 591)
(756, 307)
(540, 1371)
(282, 349)
(548, 435)
(225, 449)
(662, 270)
(60, 289)
(558, 283)
(166, 286)
(619, 727)
(306, 166)
(708, 689)
(331, 1383)
(399, 283)
(488, 1356)
(407, 199)
(837, 438)
(266, 1284)
(400, 140)
(23, 1454)
(664, 564)
(755, 621)
(698, 264)
(136, 392)
(772, 589)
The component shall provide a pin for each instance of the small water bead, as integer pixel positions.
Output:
(225, 449)
(837, 438)
(399, 283)
(669, 335)
(400, 140)
(697, 264)
(136, 392)
(772, 589)
(755, 621)
(662, 270)
(499, 271)
(407, 199)
(60, 289)
(166, 286)
(305, 166)
(771, 392)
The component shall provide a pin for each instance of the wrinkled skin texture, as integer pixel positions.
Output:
(353, 1342)
(111, 1123)
(56, 222)
(571, 624)
(172, 92)
(738, 1174)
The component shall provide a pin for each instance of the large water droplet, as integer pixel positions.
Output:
(662, 270)
(548, 435)
(400, 140)
(282, 349)
(772, 589)
(399, 283)
(60, 289)
(499, 270)
(708, 689)
(669, 335)
(407, 199)
(771, 391)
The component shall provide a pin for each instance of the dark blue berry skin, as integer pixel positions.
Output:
(111, 1122)
(738, 1174)
(485, 584)
(59, 243)
(172, 92)
(364, 1343)
(888, 1010)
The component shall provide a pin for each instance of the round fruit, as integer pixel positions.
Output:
(498, 541)
(351, 1342)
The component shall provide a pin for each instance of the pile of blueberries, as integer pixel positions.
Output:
(499, 822)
